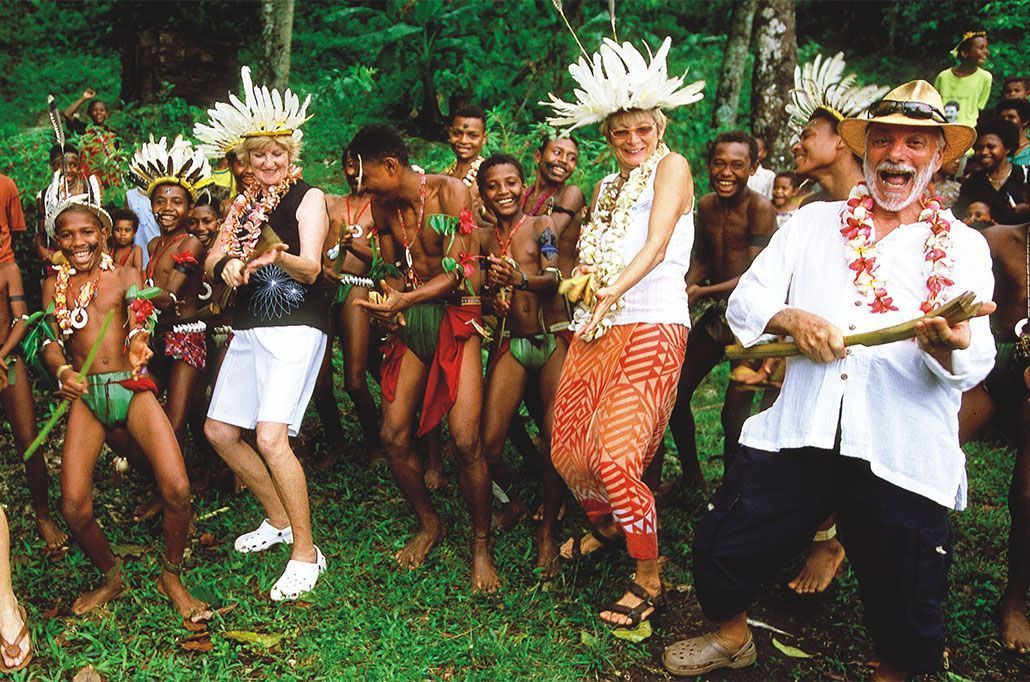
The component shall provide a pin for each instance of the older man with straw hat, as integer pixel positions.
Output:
(871, 432)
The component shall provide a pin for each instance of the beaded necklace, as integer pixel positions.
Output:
(70, 320)
(410, 275)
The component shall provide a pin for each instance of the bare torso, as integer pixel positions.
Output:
(524, 310)
(1009, 251)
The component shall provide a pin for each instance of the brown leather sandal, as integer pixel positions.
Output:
(12, 649)
(635, 613)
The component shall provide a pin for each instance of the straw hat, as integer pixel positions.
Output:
(915, 103)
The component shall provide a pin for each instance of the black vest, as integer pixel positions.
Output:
(273, 298)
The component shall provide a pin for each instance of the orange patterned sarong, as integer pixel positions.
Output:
(613, 403)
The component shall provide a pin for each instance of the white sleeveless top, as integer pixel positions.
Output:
(661, 296)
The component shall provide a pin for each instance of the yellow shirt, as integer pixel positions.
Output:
(969, 92)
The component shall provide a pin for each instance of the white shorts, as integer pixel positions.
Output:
(268, 375)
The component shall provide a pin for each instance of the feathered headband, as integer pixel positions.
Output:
(262, 112)
(155, 163)
(618, 78)
(821, 84)
(56, 201)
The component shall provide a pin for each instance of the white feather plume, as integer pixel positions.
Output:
(261, 111)
(56, 200)
(821, 84)
(617, 78)
(156, 162)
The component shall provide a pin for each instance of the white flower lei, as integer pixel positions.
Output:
(602, 236)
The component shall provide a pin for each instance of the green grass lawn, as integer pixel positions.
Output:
(368, 620)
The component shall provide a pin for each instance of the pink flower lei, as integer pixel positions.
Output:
(857, 230)
(249, 212)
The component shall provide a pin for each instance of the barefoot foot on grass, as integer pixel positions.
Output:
(435, 478)
(189, 607)
(822, 565)
(484, 573)
(147, 509)
(414, 553)
(112, 588)
(509, 515)
(1015, 629)
(52, 535)
(547, 563)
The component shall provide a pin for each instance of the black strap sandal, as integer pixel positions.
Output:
(607, 545)
(635, 613)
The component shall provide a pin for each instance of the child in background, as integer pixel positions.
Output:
(968, 84)
(1015, 87)
(762, 179)
(122, 245)
(785, 188)
(978, 215)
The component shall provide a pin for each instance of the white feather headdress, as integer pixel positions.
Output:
(56, 200)
(821, 84)
(155, 163)
(262, 112)
(618, 78)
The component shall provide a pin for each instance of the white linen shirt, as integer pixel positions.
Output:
(897, 406)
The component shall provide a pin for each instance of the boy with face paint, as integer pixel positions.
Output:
(466, 134)
(522, 274)
(425, 224)
(734, 224)
(116, 394)
(353, 258)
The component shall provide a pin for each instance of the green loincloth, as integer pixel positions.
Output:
(1005, 382)
(342, 292)
(534, 351)
(421, 329)
(107, 399)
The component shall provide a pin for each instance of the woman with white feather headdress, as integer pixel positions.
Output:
(618, 384)
(269, 251)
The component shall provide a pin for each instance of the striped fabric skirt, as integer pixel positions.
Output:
(613, 403)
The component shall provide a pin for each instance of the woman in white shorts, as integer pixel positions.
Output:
(279, 327)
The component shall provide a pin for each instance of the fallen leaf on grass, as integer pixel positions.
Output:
(200, 642)
(49, 613)
(128, 550)
(298, 604)
(637, 634)
(207, 540)
(791, 651)
(836, 676)
(256, 639)
(88, 674)
(587, 639)
(226, 609)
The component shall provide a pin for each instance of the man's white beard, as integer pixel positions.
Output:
(920, 181)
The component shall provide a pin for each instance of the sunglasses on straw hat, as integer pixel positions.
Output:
(917, 110)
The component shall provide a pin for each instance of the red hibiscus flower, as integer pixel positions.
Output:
(468, 262)
(142, 309)
(466, 221)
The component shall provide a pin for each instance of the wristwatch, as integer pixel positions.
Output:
(524, 284)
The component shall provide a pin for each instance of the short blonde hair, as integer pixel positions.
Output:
(259, 142)
(630, 116)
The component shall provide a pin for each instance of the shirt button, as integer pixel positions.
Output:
(844, 377)
(858, 303)
(847, 352)
(851, 327)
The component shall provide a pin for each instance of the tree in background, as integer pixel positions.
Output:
(276, 39)
(775, 57)
(734, 61)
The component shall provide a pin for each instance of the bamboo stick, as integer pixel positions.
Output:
(958, 309)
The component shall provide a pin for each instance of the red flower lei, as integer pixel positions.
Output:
(249, 212)
(857, 230)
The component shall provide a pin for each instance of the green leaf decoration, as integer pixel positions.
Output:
(449, 264)
(443, 224)
(637, 634)
(791, 651)
(134, 292)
